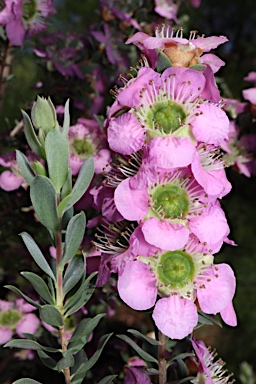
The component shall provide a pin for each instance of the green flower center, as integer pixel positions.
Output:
(10, 318)
(83, 148)
(172, 200)
(176, 269)
(29, 9)
(166, 115)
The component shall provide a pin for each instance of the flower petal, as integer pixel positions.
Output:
(228, 315)
(5, 335)
(175, 317)
(171, 152)
(211, 126)
(125, 134)
(137, 286)
(218, 290)
(131, 203)
(28, 324)
(165, 235)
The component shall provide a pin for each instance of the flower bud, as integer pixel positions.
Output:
(43, 114)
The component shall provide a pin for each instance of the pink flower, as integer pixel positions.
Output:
(210, 368)
(21, 17)
(10, 179)
(179, 277)
(183, 53)
(15, 317)
(86, 139)
(136, 376)
(167, 9)
(167, 112)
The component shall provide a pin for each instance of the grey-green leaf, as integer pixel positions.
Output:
(107, 379)
(37, 255)
(83, 332)
(43, 197)
(163, 62)
(29, 344)
(143, 337)
(145, 356)
(24, 167)
(25, 297)
(74, 237)
(47, 360)
(56, 148)
(31, 137)
(66, 362)
(51, 315)
(26, 381)
(73, 273)
(80, 298)
(66, 122)
(90, 363)
(82, 183)
(39, 286)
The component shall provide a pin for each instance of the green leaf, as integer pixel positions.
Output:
(31, 137)
(67, 187)
(82, 183)
(80, 373)
(66, 362)
(107, 379)
(37, 255)
(67, 217)
(74, 237)
(51, 315)
(29, 344)
(24, 167)
(26, 381)
(73, 273)
(66, 122)
(56, 148)
(80, 298)
(179, 357)
(143, 337)
(141, 353)
(163, 62)
(198, 67)
(80, 358)
(25, 297)
(203, 318)
(83, 332)
(39, 286)
(47, 360)
(43, 197)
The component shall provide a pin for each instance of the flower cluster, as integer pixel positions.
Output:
(162, 220)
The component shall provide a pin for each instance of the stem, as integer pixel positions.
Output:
(161, 358)
(60, 298)
(5, 70)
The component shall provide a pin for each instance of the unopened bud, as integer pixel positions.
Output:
(43, 114)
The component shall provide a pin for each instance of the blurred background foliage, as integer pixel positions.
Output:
(234, 19)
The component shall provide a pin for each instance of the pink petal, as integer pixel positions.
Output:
(29, 324)
(125, 134)
(175, 317)
(212, 126)
(210, 91)
(165, 235)
(228, 315)
(136, 376)
(5, 335)
(131, 203)
(185, 83)
(250, 94)
(211, 226)
(75, 164)
(213, 61)
(219, 291)
(214, 182)
(15, 32)
(171, 152)
(208, 43)
(10, 182)
(137, 286)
